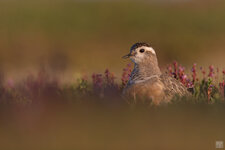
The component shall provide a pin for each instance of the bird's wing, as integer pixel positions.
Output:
(173, 86)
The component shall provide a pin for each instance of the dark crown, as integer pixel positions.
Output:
(139, 44)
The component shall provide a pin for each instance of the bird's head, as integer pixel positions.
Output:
(141, 52)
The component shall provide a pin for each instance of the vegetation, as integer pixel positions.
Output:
(207, 87)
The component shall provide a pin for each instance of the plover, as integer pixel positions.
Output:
(147, 81)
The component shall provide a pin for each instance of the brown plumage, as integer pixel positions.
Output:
(146, 79)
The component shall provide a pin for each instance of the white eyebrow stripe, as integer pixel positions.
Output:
(150, 49)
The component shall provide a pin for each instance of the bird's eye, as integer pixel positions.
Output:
(141, 50)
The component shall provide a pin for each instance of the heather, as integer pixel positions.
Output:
(205, 84)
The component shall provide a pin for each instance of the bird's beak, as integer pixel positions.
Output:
(129, 55)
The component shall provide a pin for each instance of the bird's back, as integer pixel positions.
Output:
(173, 87)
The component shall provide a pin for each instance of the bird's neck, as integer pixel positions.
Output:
(144, 70)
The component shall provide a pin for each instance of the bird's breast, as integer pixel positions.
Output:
(147, 90)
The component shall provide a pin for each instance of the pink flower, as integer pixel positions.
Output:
(203, 72)
(194, 74)
(10, 83)
(109, 78)
(209, 92)
(211, 71)
(222, 88)
(97, 81)
(223, 73)
(170, 69)
(182, 75)
(175, 65)
(189, 84)
(126, 75)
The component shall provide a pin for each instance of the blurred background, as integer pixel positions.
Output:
(91, 35)
(87, 128)
(74, 37)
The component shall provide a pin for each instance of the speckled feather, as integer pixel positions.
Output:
(173, 87)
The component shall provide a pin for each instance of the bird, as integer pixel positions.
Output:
(147, 81)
